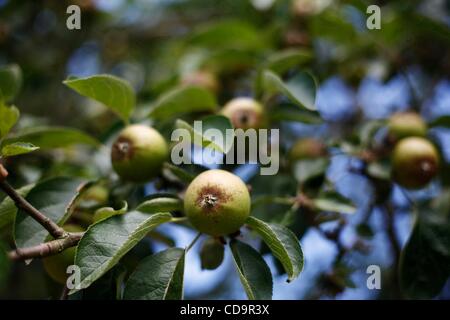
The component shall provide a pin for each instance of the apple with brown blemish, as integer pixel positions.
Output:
(138, 153)
(217, 203)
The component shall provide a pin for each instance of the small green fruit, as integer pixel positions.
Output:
(301, 8)
(307, 148)
(217, 202)
(415, 162)
(97, 194)
(406, 124)
(211, 254)
(245, 113)
(203, 79)
(139, 153)
(56, 266)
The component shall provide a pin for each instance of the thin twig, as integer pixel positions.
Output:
(64, 293)
(193, 241)
(46, 249)
(390, 230)
(56, 231)
(334, 236)
(395, 246)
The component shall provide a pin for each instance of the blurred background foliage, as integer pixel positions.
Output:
(363, 75)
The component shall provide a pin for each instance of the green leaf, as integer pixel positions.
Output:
(107, 241)
(107, 287)
(428, 25)
(10, 82)
(8, 118)
(229, 60)
(253, 271)
(289, 217)
(280, 185)
(158, 277)
(18, 148)
(266, 199)
(283, 243)
(106, 212)
(54, 198)
(183, 100)
(443, 121)
(162, 204)
(180, 173)
(115, 93)
(282, 61)
(300, 89)
(222, 124)
(368, 130)
(230, 34)
(161, 238)
(302, 116)
(332, 25)
(305, 170)
(425, 259)
(205, 138)
(380, 170)
(52, 137)
(8, 209)
(334, 202)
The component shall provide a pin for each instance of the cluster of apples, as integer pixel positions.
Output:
(415, 160)
(216, 202)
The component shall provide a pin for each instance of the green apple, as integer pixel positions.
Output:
(245, 113)
(211, 254)
(217, 202)
(415, 162)
(138, 153)
(202, 78)
(307, 148)
(406, 124)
